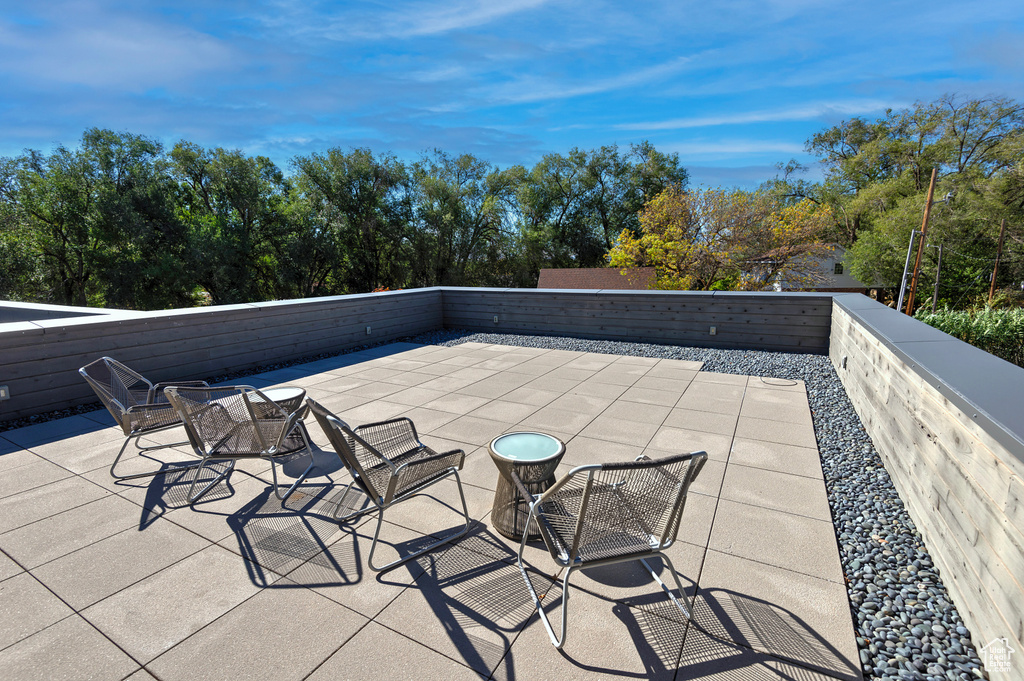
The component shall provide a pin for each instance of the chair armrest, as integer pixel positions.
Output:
(153, 407)
(158, 388)
(523, 492)
(428, 460)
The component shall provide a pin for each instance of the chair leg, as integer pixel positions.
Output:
(192, 497)
(396, 563)
(150, 448)
(301, 478)
(353, 514)
(558, 641)
(675, 575)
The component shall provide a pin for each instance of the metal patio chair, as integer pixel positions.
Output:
(239, 422)
(611, 513)
(389, 464)
(139, 406)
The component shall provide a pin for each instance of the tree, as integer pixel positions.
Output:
(235, 207)
(881, 170)
(53, 195)
(579, 203)
(463, 209)
(142, 244)
(366, 201)
(711, 239)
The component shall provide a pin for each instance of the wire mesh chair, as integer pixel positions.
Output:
(139, 406)
(389, 464)
(239, 422)
(611, 513)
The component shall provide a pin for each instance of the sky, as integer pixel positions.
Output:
(735, 87)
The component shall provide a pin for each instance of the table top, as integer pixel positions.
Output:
(284, 393)
(527, 447)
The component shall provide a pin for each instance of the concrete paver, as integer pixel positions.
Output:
(126, 580)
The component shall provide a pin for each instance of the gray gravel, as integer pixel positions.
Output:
(907, 627)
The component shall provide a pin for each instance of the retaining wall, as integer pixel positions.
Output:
(948, 420)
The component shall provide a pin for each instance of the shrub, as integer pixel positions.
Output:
(998, 331)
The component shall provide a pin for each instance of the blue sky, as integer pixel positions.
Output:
(733, 86)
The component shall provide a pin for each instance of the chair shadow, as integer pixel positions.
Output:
(275, 539)
(168, 489)
(730, 635)
(762, 633)
(475, 591)
(654, 623)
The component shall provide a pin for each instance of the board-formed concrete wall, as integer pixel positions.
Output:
(39, 360)
(948, 421)
(793, 322)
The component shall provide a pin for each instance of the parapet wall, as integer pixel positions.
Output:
(948, 421)
(792, 322)
(39, 360)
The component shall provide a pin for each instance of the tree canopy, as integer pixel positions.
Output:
(714, 239)
(876, 181)
(121, 222)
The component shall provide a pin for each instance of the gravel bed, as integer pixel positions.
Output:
(906, 625)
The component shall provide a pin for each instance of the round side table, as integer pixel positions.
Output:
(288, 397)
(534, 457)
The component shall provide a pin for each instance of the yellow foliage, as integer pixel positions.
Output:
(709, 238)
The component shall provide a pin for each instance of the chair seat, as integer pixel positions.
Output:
(241, 443)
(143, 420)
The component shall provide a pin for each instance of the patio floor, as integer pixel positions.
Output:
(110, 581)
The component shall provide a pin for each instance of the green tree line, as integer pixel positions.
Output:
(122, 222)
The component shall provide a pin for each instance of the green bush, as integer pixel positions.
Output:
(998, 331)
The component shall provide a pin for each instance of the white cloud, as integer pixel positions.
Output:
(526, 90)
(401, 20)
(433, 19)
(800, 113)
(111, 51)
(733, 147)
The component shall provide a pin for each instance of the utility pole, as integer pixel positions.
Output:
(906, 268)
(999, 253)
(920, 246)
(938, 268)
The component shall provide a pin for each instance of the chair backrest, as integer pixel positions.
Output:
(117, 386)
(643, 498)
(355, 453)
(221, 421)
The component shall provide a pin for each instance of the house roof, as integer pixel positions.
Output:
(639, 278)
